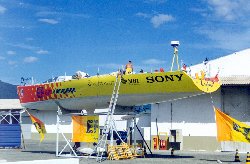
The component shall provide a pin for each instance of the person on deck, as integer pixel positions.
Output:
(129, 68)
(184, 68)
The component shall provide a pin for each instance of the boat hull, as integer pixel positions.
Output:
(95, 92)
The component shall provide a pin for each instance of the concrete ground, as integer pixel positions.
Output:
(46, 150)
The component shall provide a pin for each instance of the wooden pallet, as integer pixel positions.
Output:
(120, 152)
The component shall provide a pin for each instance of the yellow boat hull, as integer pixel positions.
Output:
(95, 92)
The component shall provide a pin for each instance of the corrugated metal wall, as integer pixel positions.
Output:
(236, 103)
(10, 135)
(10, 129)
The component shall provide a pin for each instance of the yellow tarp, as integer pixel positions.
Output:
(230, 129)
(85, 128)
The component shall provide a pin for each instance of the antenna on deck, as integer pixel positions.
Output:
(98, 71)
(175, 45)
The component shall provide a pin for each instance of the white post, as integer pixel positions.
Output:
(20, 122)
(111, 137)
(57, 130)
(57, 134)
(10, 116)
(134, 131)
(111, 131)
(20, 118)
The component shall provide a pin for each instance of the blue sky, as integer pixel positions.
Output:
(47, 38)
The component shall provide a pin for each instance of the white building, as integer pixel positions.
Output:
(195, 115)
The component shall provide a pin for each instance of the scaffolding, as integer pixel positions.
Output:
(109, 128)
(10, 116)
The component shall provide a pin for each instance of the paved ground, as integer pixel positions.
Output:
(46, 150)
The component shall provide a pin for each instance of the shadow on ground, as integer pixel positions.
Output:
(38, 152)
(215, 160)
(167, 156)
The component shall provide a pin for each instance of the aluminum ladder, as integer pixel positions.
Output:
(109, 125)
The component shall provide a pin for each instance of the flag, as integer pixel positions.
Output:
(39, 126)
(85, 128)
(230, 129)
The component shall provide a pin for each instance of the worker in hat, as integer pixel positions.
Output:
(129, 68)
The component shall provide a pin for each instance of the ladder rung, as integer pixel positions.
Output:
(109, 123)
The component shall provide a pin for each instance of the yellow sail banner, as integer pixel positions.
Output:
(230, 129)
(85, 128)
(40, 127)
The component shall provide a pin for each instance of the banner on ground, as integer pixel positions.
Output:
(39, 126)
(85, 128)
(230, 129)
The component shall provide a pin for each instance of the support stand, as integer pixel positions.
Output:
(143, 139)
(134, 120)
(109, 127)
(59, 154)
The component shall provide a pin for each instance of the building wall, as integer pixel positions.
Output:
(195, 116)
(236, 103)
(143, 124)
(8, 104)
(235, 99)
